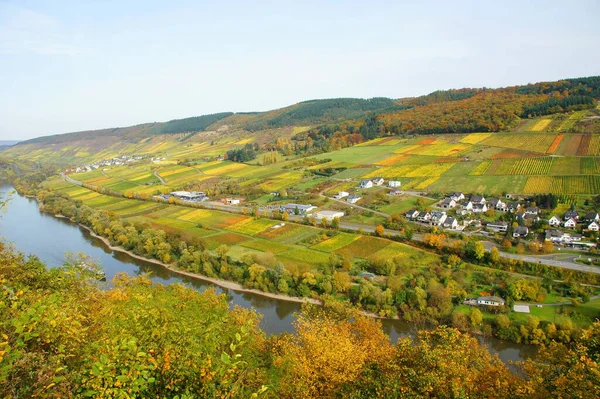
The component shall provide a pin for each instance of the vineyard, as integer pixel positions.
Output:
(563, 185)
(568, 124)
(594, 147)
(541, 125)
(590, 166)
(555, 144)
(531, 166)
(481, 168)
(475, 138)
(439, 149)
(528, 142)
(566, 166)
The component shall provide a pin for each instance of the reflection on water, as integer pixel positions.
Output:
(47, 237)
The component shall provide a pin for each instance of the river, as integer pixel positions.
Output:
(49, 238)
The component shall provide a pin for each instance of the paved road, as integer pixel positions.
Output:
(69, 180)
(552, 304)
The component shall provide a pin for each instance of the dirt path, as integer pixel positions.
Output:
(160, 178)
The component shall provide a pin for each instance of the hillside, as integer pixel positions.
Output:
(317, 126)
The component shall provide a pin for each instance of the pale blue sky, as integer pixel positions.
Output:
(78, 65)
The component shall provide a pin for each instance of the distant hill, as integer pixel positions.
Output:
(320, 122)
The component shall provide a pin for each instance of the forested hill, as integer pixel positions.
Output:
(468, 110)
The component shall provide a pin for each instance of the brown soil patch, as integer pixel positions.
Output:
(584, 145)
(426, 141)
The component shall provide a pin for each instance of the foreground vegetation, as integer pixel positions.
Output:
(421, 287)
(62, 335)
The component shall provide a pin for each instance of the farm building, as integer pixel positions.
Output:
(490, 301)
(353, 199)
(394, 183)
(297, 209)
(189, 195)
(328, 215)
(232, 201)
(498, 226)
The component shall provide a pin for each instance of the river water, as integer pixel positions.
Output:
(49, 238)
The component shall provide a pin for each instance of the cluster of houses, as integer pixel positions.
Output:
(571, 219)
(186, 196)
(434, 218)
(478, 204)
(117, 161)
(378, 181)
(350, 198)
(364, 184)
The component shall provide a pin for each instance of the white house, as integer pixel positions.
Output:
(450, 223)
(520, 231)
(365, 184)
(424, 217)
(394, 183)
(378, 181)
(448, 203)
(490, 301)
(594, 226)
(468, 206)
(497, 203)
(437, 217)
(478, 199)
(479, 208)
(353, 199)
(457, 196)
(412, 214)
(328, 215)
(570, 224)
(341, 195)
(232, 201)
(497, 226)
(561, 237)
(395, 192)
(554, 221)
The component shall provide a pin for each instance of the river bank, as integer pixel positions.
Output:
(218, 282)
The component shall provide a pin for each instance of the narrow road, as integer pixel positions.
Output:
(69, 180)
(160, 178)
(552, 304)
